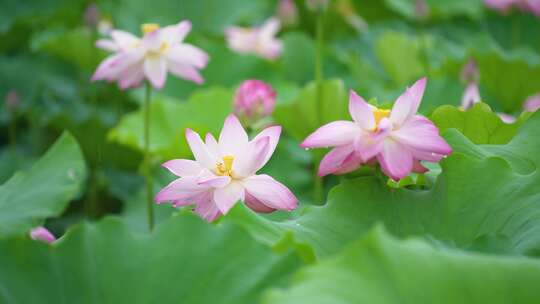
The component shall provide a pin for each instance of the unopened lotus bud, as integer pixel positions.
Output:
(254, 99)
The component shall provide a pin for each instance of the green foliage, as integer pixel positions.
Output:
(27, 198)
(379, 268)
(75, 46)
(108, 263)
(299, 116)
(203, 112)
(400, 55)
(509, 78)
(210, 16)
(439, 9)
(479, 124)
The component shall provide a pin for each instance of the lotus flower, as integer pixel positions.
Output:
(471, 96)
(224, 172)
(161, 50)
(532, 103)
(504, 6)
(42, 234)
(254, 99)
(259, 40)
(397, 139)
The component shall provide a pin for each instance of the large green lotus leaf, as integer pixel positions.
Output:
(381, 269)
(485, 199)
(509, 77)
(298, 60)
(204, 112)
(183, 261)
(479, 124)
(29, 197)
(301, 116)
(401, 57)
(75, 46)
(438, 9)
(39, 13)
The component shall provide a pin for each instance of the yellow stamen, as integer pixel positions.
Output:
(147, 28)
(380, 114)
(225, 168)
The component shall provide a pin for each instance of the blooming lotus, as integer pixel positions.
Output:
(224, 172)
(254, 99)
(504, 6)
(159, 51)
(471, 96)
(397, 139)
(259, 40)
(42, 234)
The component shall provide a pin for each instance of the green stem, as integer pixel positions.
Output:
(92, 208)
(318, 182)
(146, 162)
(13, 131)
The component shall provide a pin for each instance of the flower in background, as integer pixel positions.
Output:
(161, 50)
(504, 6)
(532, 103)
(224, 172)
(471, 96)
(287, 12)
(254, 100)
(397, 139)
(470, 76)
(469, 72)
(258, 40)
(42, 234)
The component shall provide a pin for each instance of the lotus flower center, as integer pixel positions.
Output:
(379, 114)
(224, 168)
(149, 27)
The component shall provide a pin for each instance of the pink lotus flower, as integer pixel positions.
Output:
(254, 99)
(504, 6)
(224, 172)
(42, 234)
(398, 139)
(532, 103)
(471, 96)
(259, 40)
(161, 50)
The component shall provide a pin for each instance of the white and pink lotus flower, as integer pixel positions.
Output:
(159, 51)
(224, 172)
(259, 40)
(398, 139)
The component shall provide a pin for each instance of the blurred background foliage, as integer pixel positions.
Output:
(377, 48)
